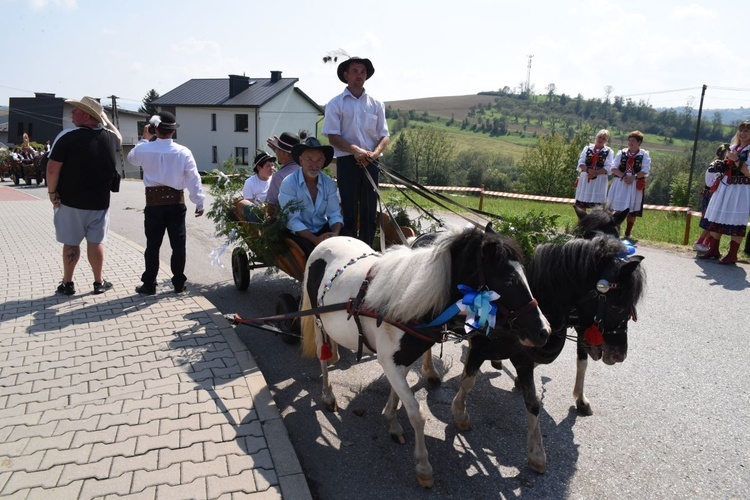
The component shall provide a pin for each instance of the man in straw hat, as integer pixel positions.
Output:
(168, 168)
(282, 147)
(319, 217)
(82, 166)
(356, 128)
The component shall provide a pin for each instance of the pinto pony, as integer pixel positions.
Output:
(391, 297)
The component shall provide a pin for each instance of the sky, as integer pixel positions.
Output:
(661, 51)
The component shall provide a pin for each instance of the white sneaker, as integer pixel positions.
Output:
(700, 247)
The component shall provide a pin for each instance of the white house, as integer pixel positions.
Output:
(223, 118)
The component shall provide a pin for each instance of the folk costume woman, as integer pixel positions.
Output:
(728, 210)
(632, 166)
(714, 172)
(594, 164)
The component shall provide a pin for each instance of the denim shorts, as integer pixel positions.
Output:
(72, 225)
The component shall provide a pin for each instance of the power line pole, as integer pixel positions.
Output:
(692, 161)
(116, 121)
(528, 75)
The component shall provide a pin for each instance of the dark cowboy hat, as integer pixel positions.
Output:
(286, 141)
(344, 66)
(164, 120)
(261, 159)
(312, 143)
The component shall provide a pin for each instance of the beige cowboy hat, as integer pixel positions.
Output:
(88, 105)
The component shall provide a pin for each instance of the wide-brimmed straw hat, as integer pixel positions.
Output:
(261, 159)
(312, 143)
(90, 106)
(344, 66)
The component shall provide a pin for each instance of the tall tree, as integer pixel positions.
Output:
(548, 169)
(147, 107)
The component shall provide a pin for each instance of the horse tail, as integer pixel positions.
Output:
(307, 327)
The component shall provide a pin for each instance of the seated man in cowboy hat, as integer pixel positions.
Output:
(319, 215)
(282, 148)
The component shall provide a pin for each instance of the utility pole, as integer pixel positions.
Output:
(528, 74)
(692, 161)
(116, 121)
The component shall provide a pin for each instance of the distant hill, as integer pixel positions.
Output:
(458, 106)
(3, 114)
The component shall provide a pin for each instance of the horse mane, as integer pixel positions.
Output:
(560, 270)
(417, 283)
(598, 220)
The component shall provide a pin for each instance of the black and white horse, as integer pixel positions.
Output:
(596, 280)
(388, 295)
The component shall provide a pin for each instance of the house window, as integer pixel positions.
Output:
(240, 123)
(19, 129)
(241, 156)
(214, 154)
(31, 129)
(213, 122)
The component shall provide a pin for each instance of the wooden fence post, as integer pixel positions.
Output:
(687, 227)
(481, 197)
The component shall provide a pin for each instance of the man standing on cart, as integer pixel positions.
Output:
(356, 128)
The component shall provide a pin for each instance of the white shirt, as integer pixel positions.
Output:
(359, 121)
(255, 189)
(166, 163)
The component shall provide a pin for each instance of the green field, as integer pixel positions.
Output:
(659, 228)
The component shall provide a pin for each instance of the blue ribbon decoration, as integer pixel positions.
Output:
(480, 311)
(629, 249)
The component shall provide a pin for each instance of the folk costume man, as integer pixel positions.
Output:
(356, 128)
(80, 171)
(168, 168)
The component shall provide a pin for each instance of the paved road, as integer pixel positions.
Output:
(670, 422)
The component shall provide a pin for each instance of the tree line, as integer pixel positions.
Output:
(549, 168)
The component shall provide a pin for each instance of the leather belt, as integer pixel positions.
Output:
(164, 195)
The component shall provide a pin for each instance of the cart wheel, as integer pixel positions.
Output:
(240, 269)
(286, 304)
(15, 179)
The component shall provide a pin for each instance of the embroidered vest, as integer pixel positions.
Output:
(596, 160)
(637, 161)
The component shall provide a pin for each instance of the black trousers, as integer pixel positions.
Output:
(359, 201)
(305, 244)
(169, 218)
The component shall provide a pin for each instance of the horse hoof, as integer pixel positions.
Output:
(463, 425)
(540, 467)
(425, 482)
(584, 409)
(497, 364)
(332, 406)
(434, 381)
(398, 438)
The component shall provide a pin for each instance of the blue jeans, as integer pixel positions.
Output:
(169, 218)
(358, 198)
